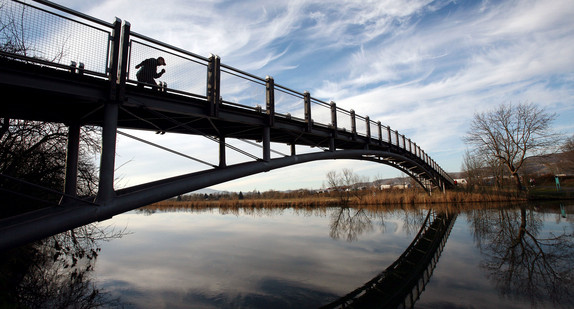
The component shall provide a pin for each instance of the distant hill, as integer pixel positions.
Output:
(207, 191)
(552, 164)
(560, 163)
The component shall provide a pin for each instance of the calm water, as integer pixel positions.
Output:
(519, 257)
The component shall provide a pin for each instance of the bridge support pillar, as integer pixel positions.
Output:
(266, 143)
(332, 144)
(293, 151)
(222, 158)
(107, 161)
(72, 154)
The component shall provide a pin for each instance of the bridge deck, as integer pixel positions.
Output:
(46, 94)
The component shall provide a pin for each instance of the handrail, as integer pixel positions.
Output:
(183, 51)
(66, 10)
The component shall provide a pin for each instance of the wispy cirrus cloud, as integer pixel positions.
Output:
(423, 67)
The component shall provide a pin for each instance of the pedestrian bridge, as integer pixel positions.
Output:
(62, 66)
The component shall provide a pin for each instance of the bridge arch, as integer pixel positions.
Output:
(75, 212)
(151, 192)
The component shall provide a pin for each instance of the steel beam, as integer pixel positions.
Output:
(72, 157)
(108, 156)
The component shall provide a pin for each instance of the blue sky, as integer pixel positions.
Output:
(421, 67)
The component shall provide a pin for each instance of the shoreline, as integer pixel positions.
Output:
(369, 198)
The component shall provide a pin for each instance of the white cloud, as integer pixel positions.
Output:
(422, 67)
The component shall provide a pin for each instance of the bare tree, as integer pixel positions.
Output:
(473, 166)
(568, 144)
(523, 259)
(510, 133)
(568, 152)
(350, 223)
(346, 184)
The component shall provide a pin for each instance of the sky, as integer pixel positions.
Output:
(422, 67)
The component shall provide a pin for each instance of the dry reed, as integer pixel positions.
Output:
(398, 198)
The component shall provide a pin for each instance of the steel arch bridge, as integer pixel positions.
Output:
(96, 88)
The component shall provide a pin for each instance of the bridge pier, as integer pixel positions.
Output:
(72, 155)
(331, 144)
(222, 158)
(108, 156)
(266, 143)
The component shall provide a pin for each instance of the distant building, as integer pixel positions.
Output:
(460, 182)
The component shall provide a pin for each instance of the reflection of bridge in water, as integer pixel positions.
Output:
(401, 284)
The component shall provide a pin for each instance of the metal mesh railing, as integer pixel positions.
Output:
(184, 73)
(289, 102)
(344, 119)
(321, 112)
(361, 125)
(36, 34)
(374, 127)
(242, 88)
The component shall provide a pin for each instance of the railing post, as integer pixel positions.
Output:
(353, 123)
(380, 132)
(389, 135)
(115, 59)
(270, 90)
(404, 142)
(397, 138)
(124, 60)
(213, 84)
(334, 116)
(368, 122)
(308, 119)
(333, 106)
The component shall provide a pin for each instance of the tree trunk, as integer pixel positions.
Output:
(518, 183)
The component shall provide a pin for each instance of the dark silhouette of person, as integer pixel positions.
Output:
(147, 72)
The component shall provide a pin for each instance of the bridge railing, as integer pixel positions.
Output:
(289, 102)
(242, 89)
(321, 112)
(344, 120)
(187, 71)
(52, 35)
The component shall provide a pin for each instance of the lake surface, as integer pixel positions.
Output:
(297, 258)
(516, 257)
